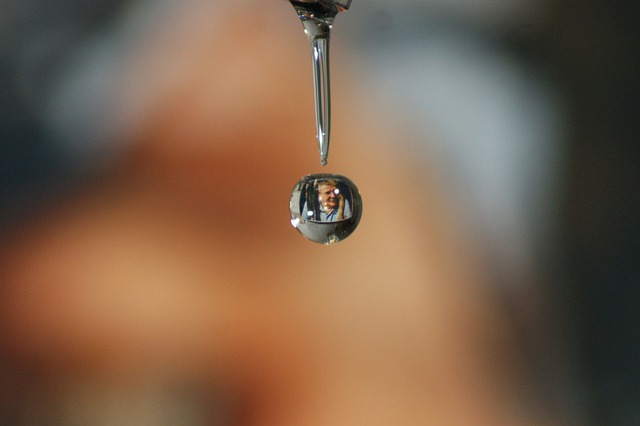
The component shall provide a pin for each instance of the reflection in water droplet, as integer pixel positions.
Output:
(325, 208)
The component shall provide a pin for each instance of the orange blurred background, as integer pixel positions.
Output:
(149, 271)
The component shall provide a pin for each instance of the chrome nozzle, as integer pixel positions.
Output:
(317, 19)
(329, 5)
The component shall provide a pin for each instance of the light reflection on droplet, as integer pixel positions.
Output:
(325, 208)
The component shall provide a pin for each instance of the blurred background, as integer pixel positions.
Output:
(148, 274)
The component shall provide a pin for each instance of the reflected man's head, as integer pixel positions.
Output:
(328, 193)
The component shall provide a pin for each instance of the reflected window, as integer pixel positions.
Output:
(325, 200)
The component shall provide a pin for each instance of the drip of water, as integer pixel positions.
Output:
(317, 18)
(325, 208)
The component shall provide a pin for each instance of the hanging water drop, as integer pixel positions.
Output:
(325, 208)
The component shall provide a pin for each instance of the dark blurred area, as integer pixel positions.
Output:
(593, 48)
(579, 332)
(38, 38)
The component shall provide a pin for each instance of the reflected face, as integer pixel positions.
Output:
(328, 197)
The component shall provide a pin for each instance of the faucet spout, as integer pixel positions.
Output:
(337, 5)
(317, 18)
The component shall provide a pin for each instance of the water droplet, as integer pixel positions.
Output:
(325, 208)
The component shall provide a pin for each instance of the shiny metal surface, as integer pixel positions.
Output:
(317, 18)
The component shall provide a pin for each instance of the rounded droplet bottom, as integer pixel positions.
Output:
(325, 208)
